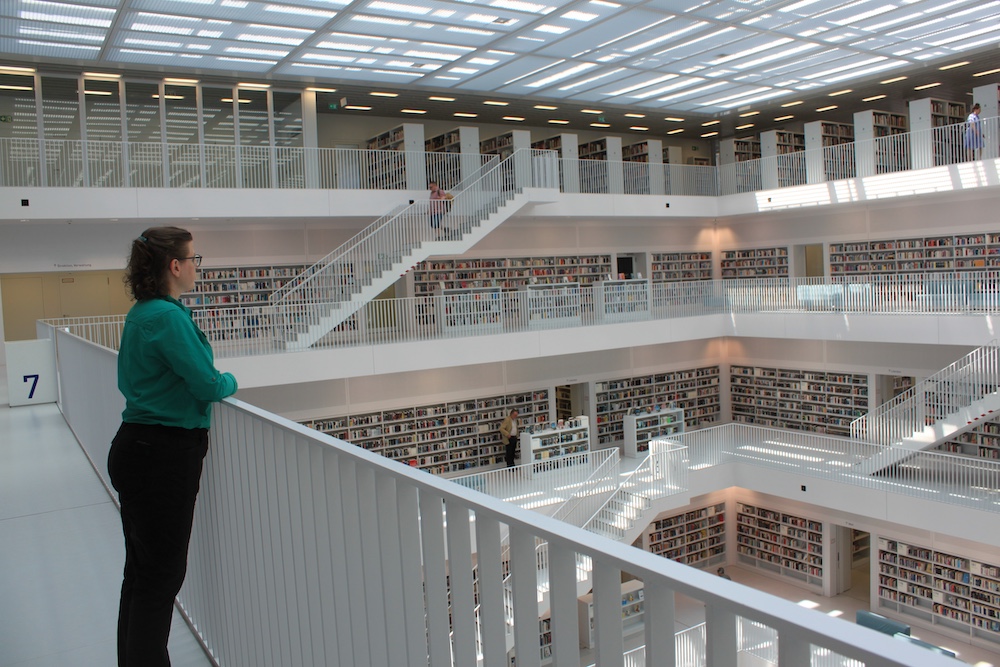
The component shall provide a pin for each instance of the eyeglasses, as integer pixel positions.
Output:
(195, 258)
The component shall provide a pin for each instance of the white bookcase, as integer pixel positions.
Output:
(694, 390)
(781, 169)
(670, 267)
(553, 306)
(941, 253)
(944, 591)
(226, 298)
(622, 300)
(824, 163)
(475, 310)
(649, 152)
(780, 544)
(508, 272)
(451, 170)
(649, 425)
(696, 537)
(544, 445)
(567, 146)
(600, 164)
(982, 441)
(443, 438)
(755, 263)
(930, 146)
(633, 612)
(802, 400)
(875, 151)
(407, 171)
(988, 96)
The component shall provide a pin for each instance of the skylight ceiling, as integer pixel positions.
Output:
(662, 55)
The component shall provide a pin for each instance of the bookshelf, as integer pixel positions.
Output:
(982, 441)
(940, 589)
(622, 300)
(823, 161)
(640, 428)
(505, 144)
(633, 612)
(600, 165)
(564, 402)
(755, 263)
(544, 444)
(443, 438)
(933, 146)
(860, 545)
(669, 267)
(473, 310)
(553, 306)
(226, 298)
(786, 169)
(944, 253)
(450, 170)
(398, 171)
(694, 390)
(508, 272)
(875, 151)
(780, 544)
(796, 399)
(738, 149)
(696, 537)
(567, 146)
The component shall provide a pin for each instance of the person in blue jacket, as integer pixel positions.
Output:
(166, 371)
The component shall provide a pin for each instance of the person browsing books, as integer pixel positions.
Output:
(508, 431)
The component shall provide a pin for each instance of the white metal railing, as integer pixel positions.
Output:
(76, 163)
(248, 330)
(529, 486)
(953, 388)
(309, 551)
(327, 293)
(592, 492)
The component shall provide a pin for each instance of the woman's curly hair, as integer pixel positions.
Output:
(151, 253)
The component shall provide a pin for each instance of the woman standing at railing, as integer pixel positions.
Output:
(974, 134)
(167, 374)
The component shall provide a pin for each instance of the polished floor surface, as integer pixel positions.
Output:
(61, 555)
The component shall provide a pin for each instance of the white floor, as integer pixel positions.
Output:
(62, 554)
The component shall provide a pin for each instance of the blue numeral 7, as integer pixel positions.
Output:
(34, 383)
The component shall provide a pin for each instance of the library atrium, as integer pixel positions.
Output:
(735, 267)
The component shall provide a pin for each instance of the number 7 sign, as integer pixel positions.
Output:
(31, 372)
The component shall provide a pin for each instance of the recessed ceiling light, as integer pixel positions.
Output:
(841, 92)
(6, 87)
(253, 85)
(791, 104)
(436, 98)
(495, 103)
(709, 134)
(672, 119)
(189, 82)
(558, 122)
(516, 119)
(894, 80)
(784, 117)
(927, 85)
(376, 93)
(710, 122)
(412, 111)
(677, 131)
(873, 98)
(748, 114)
(357, 107)
(989, 71)
(639, 128)
(243, 101)
(597, 111)
(635, 115)
(745, 126)
(954, 65)
(321, 90)
(545, 107)
(156, 96)
(600, 124)
(97, 92)
(101, 75)
(19, 70)
(829, 108)
(464, 114)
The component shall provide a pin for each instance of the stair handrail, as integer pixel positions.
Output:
(908, 414)
(460, 196)
(661, 463)
(609, 468)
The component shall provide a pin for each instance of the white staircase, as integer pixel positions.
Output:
(954, 400)
(326, 294)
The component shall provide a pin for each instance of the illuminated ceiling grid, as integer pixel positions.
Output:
(705, 57)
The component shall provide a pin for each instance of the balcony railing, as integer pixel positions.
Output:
(310, 551)
(239, 331)
(76, 163)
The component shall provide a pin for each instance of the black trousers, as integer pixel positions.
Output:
(156, 471)
(510, 452)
